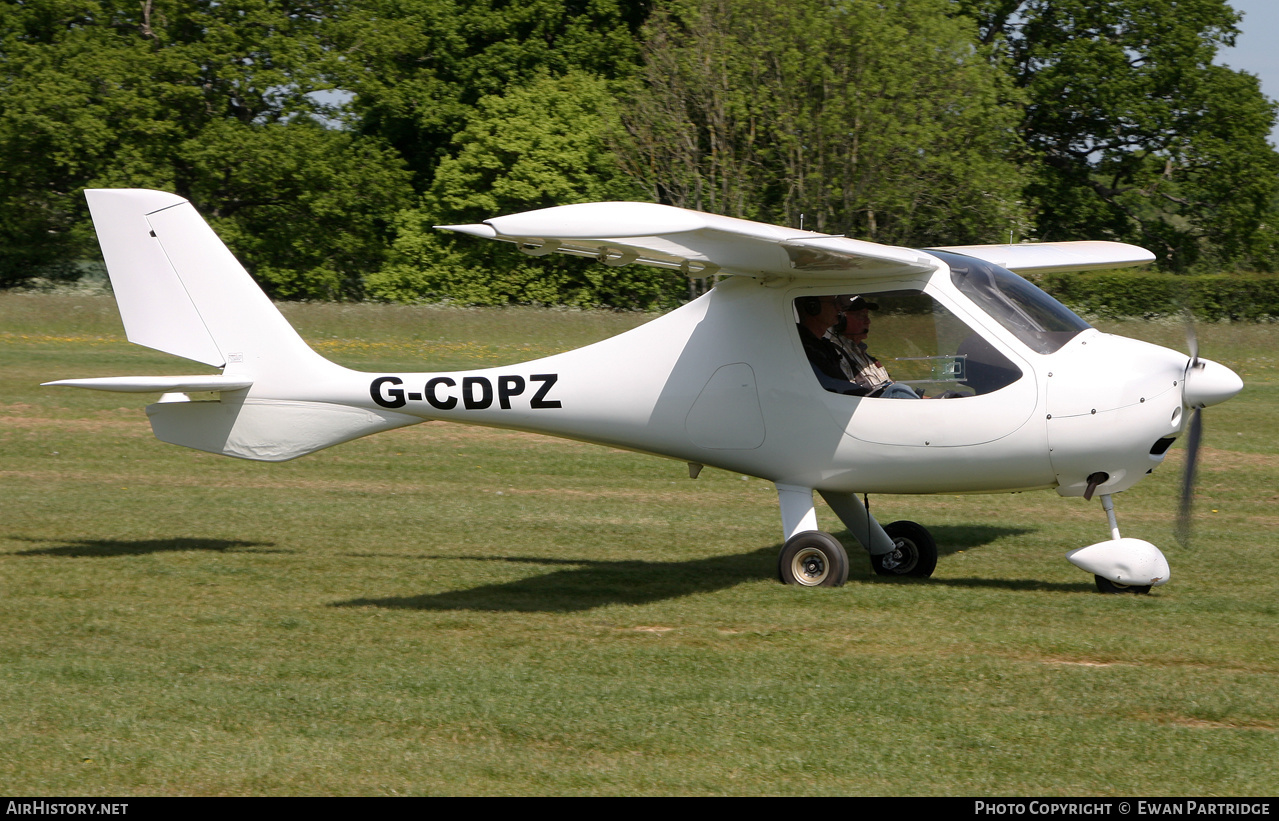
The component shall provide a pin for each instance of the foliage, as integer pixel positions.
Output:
(307, 209)
(911, 122)
(418, 68)
(208, 99)
(537, 146)
(878, 120)
(1212, 297)
(1137, 136)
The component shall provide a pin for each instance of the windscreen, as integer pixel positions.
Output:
(1034, 317)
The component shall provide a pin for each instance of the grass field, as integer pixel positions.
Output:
(451, 610)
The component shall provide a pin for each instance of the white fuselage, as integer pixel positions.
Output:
(723, 381)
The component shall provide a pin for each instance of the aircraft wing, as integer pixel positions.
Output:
(1052, 257)
(696, 243)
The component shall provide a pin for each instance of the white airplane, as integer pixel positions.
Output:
(1023, 394)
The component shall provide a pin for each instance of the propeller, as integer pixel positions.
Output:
(1205, 383)
(1192, 442)
(1188, 477)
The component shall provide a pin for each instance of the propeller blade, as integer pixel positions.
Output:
(1192, 339)
(1188, 477)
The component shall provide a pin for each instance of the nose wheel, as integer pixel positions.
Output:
(1121, 565)
(914, 553)
(1107, 586)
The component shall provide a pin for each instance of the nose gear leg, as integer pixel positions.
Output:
(1121, 565)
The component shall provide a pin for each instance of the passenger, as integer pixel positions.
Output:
(858, 366)
(816, 316)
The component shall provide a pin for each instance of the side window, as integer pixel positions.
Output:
(897, 345)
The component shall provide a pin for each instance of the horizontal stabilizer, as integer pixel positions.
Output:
(696, 243)
(160, 384)
(1054, 257)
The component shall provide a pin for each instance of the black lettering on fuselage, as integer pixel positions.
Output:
(474, 402)
(477, 392)
(392, 397)
(508, 386)
(436, 402)
(539, 398)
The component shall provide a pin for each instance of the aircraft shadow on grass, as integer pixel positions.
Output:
(102, 548)
(584, 584)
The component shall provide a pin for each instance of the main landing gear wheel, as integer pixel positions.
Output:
(1107, 586)
(813, 559)
(916, 553)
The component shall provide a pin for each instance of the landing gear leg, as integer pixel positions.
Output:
(810, 558)
(897, 549)
(861, 525)
(1121, 565)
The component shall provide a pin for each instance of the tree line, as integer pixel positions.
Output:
(324, 138)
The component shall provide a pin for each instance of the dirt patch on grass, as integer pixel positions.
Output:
(98, 424)
(1204, 724)
(1215, 460)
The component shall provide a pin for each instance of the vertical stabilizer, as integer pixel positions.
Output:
(155, 306)
(181, 291)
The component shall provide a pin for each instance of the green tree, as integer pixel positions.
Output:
(876, 119)
(305, 208)
(1135, 134)
(418, 68)
(207, 98)
(537, 146)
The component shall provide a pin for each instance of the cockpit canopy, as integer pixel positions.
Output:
(1034, 317)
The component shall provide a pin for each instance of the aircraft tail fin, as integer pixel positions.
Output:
(181, 291)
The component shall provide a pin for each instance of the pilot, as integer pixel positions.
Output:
(816, 316)
(858, 366)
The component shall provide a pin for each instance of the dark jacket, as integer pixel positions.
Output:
(825, 357)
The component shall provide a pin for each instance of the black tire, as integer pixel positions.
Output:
(1107, 586)
(916, 553)
(813, 559)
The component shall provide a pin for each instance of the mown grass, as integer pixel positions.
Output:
(451, 610)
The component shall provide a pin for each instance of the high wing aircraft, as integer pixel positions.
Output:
(1019, 392)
